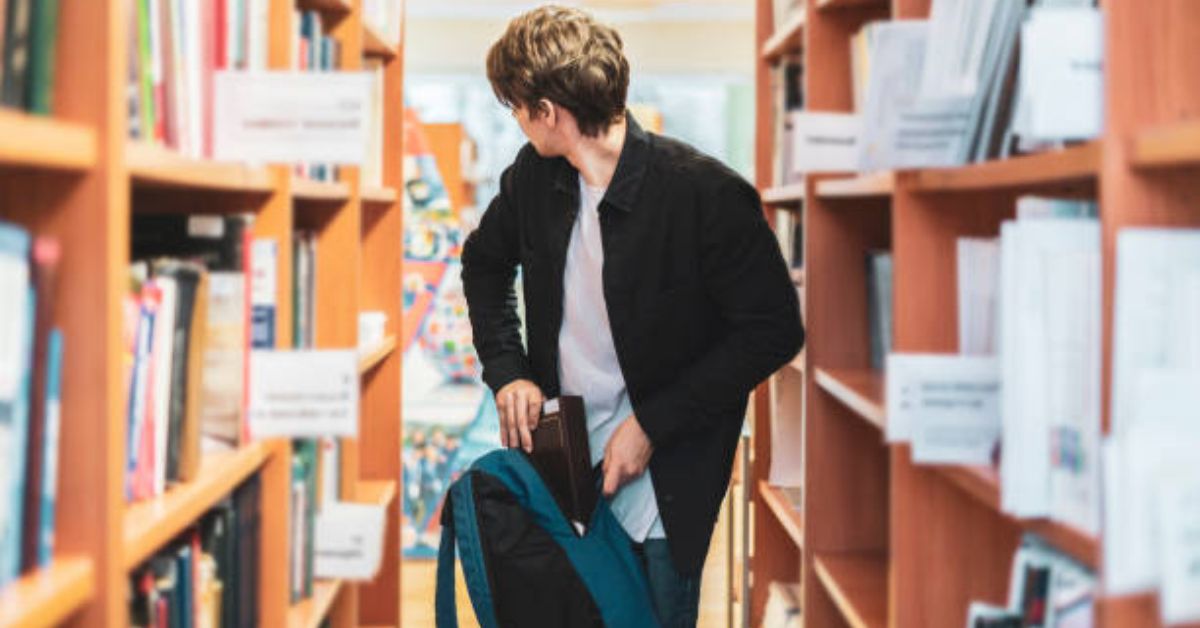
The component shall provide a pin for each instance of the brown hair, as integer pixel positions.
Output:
(565, 56)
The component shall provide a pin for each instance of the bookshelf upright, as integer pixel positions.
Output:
(880, 541)
(76, 176)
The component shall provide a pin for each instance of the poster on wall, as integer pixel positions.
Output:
(449, 415)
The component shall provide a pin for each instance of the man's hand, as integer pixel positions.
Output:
(520, 405)
(625, 456)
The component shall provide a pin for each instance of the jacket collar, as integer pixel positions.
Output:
(631, 169)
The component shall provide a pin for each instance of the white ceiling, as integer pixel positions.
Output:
(608, 10)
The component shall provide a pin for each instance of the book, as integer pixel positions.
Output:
(18, 25)
(562, 458)
(978, 276)
(879, 306)
(43, 41)
(263, 283)
(43, 423)
(1046, 588)
(17, 313)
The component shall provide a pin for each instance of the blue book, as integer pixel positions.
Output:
(54, 361)
(16, 355)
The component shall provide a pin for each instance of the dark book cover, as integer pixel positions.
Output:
(18, 22)
(216, 241)
(45, 256)
(563, 459)
(44, 40)
(249, 517)
(187, 280)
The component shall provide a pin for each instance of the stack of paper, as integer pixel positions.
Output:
(1152, 481)
(978, 279)
(1050, 304)
(895, 52)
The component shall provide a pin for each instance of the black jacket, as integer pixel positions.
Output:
(699, 299)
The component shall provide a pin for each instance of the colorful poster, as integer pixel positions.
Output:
(449, 415)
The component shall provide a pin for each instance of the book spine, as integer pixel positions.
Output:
(10, 566)
(44, 262)
(264, 273)
(53, 426)
(42, 57)
(16, 53)
(146, 73)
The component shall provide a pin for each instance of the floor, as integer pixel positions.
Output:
(418, 585)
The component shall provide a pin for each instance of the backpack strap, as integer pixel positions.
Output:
(459, 525)
(446, 609)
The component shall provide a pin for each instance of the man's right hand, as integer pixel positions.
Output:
(520, 406)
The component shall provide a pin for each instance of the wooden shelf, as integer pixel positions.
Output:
(784, 195)
(152, 523)
(378, 492)
(151, 165)
(43, 142)
(320, 191)
(376, 355)
(309, 613)
(788, 37)
(372, 195)
(857, 582)
(874, 185)
(48, 596)
(983, 483)
(329, 6)
(861, 390)
(1172, 145)
(797, 363)
(1071, 165)
(780, 506)
(831, 5)
(374, 45)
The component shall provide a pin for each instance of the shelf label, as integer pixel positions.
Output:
(349, 541)
(947, 405)
(292, 117)
(304, 394)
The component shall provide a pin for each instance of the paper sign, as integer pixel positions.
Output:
(292, 117)
(947, 405)
(304, 394)
(825, 142)
(349, 541)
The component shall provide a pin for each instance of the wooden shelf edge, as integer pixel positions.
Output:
(310, 612)
(153, 523)
(45, 142)
(859, 390)
(835, 5)
(50, 595)
(857, 582)
(779, 505)
(374, 45)
(797, 363)
(330, 6)
(784, 195)
(320, 191)
(786, 38)
(873, 185)
(1170, 145)
(376, 355)
(1069, 165)
(983, 484)
(156, 166)
(375, 195)
(377, 492)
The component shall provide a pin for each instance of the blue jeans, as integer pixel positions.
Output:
(676, 597)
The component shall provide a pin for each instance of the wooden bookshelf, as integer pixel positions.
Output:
(311, 612)
(80, 179)
(1170, 145)
(836, 5)
(784, 195)
(378, 492)
(857, 582)
(785, 513)
(375, 45)
(50, 595)
(320, 191)
(874, 185)
(42, 142)
(788, 38)
(1054, 168)
(377, 355)
(861, 390)
(151, 165)
(151, 524)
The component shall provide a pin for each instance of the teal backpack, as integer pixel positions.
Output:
(524, 564)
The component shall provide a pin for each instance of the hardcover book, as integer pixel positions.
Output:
(561, 456)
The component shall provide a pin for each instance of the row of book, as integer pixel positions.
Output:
(175, 48)
(1046, 589)
(31, 359)
(972, 83)
(315, 51)
(787, 88)
(28, 36)
(316, 481)
(208, 576)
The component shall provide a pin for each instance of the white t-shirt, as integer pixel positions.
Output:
(588, 364)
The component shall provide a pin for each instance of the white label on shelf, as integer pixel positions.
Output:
(292, 117)
(304, 394)
(349, 541)
(825, 142)
(948, 405)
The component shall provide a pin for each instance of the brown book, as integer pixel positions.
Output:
(561, 456)
(189, 452)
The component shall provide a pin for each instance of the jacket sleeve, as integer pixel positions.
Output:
(489, 269)
(748, 281)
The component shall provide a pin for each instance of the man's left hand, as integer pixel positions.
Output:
(625, 456)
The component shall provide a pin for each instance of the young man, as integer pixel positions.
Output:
(653, 288)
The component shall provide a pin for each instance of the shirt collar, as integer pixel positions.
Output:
(631, 169)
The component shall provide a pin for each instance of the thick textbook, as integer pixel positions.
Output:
(562, 458)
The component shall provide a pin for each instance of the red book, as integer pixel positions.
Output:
(143, 479)
(210, 29)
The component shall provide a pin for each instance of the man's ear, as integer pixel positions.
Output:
(549, 111)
